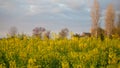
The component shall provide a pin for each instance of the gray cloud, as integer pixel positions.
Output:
(61, 13)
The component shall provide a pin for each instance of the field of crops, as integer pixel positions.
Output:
(59, 53)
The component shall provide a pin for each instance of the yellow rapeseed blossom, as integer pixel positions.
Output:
(31, 52)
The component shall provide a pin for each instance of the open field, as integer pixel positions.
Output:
(59, 53)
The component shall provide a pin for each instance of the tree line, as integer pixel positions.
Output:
(111, 29)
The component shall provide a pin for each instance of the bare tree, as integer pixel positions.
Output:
(13, 31)
(95, 14)
(47, 34)
(118, 25)
(64, 33)
(109, 20)
(37, 31)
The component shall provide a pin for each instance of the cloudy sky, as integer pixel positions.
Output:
(51, 14)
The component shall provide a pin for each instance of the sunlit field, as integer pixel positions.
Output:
(86, 52)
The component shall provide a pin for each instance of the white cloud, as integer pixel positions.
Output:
(33, 9)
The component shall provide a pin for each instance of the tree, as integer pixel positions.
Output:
(37, 31)
(47, 34)
(109, 20)
(118, 23)
(76, 35)
(95, 14)
(13, 31)
(63, 33)
(118, 26)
